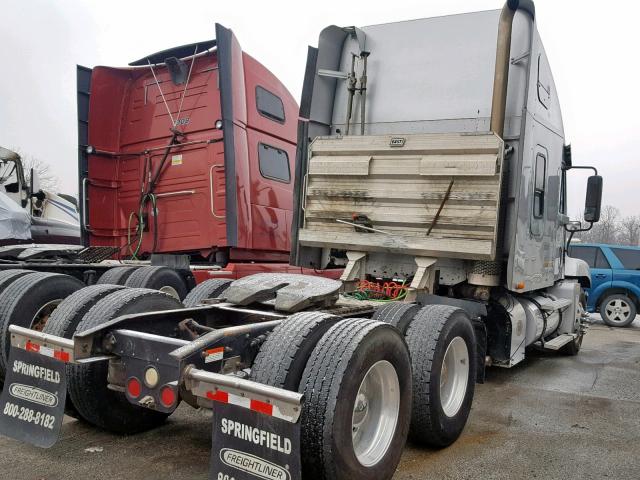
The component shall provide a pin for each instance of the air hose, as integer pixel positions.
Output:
(146, 197)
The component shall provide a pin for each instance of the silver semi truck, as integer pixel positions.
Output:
(430, 163)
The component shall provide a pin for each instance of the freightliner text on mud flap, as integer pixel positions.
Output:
(250, 444)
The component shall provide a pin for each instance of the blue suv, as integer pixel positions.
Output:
(615, 280)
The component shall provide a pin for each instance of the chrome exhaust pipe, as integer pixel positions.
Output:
(503, 57)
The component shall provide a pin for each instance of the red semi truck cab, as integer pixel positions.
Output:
(197, 144)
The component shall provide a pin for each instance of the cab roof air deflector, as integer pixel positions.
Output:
(178, 52)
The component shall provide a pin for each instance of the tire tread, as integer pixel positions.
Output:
(20, 291)
(422, 338)
(321, 383)
(113, 413)
(116, 275)
(278, 353)
(208, 289)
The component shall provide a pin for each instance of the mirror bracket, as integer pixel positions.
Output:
(573, 231)
(580, 167)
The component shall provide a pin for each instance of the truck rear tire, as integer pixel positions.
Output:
(87, 383)
(116, 276)
(618, 310)
(65, 319)
(29, 301)
(208, 289)
(442, 343)
(283, 356)
(357, 386)
(165, 279)
(397, 314)
(7, 277)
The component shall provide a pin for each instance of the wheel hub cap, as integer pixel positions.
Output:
(171, 291)
(375, 413)
(41, 317)
(454, 376)
(618, 310)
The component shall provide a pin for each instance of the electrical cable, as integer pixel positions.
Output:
(379, 292)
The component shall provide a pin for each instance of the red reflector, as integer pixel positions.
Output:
(167, 396)
(262, 407)
(60, 355)
(134, 388)
(32, 347)
(218, 396)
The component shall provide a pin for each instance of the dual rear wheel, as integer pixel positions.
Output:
(368, 384)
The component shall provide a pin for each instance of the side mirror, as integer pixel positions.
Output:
(593, 200)
(35, 182)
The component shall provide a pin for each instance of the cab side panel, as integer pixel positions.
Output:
(535, 258)
(272, 115)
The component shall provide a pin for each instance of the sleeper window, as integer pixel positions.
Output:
(274, 163)
(269, 105)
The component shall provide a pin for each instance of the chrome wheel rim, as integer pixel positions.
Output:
(618, 310)
(41, 317)
(375, 413)
(454, 376)
(171, 291)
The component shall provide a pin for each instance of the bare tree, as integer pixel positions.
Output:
(630, 230)
(606, 230)
(48, 180)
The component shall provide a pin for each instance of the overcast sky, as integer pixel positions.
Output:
(592, 47)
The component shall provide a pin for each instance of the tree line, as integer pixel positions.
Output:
(613, 228)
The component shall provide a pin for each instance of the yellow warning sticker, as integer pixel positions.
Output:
(176, 160)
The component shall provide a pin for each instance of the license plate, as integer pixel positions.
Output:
(32, 401)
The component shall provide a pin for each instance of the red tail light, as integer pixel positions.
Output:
(167, 396)
(134, 388)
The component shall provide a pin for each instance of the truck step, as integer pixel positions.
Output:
(559, 342)
(552, 305)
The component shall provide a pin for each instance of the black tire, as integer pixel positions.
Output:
(116, 276)
(87, 383)
(573, 348)
(159, 278)
(330, 383)
(25, 299)
(283, 356)
(65, 319)
(7, 277)
(397, 314)
(208, 289)
(428, 337)
(610, 319)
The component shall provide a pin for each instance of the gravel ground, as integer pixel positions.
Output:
(551, 417)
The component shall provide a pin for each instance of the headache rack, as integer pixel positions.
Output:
(430, 195)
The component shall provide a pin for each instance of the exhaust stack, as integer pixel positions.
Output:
(503, 56)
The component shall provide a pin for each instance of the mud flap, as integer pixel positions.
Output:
(32, 401)
(250, 445)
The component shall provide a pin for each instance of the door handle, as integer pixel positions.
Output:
(212, 191)
(601, 275)
(85, 203)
